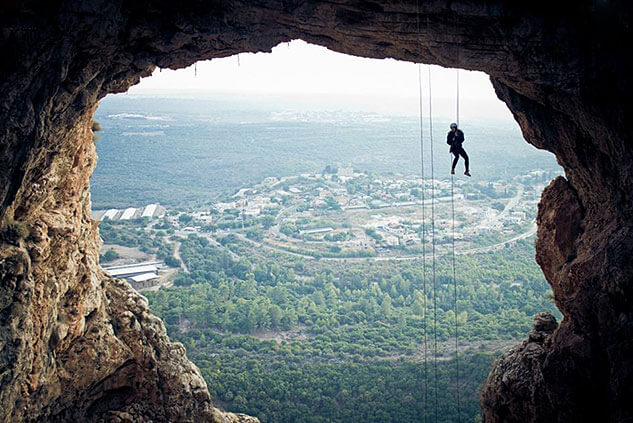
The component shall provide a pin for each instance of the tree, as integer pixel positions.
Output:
(385, 306)
(417, 307)
(330, 169)
(110, 255)
(172, 261)
(332, 204)
(185, 218)
(319, 298)
(275, 314)
(288, 229)
(267, 221)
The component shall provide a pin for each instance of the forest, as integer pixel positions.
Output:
(279, 337)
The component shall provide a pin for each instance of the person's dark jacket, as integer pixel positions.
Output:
(455, 140)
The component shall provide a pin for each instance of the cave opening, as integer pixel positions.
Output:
(70, 334)
(372, 128)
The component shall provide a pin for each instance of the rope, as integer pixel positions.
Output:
(426, 384)
(457, 393)
(457, 102)
(423, 237)
(455, 306)
(433, 278)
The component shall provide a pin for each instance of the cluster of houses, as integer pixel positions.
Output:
(322, 190)
(246, 207)
(253, 201)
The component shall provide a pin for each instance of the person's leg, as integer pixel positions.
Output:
(455, 160)
(466, 161)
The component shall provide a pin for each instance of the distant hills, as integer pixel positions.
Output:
(185, 151)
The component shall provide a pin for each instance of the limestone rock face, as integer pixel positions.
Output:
(78, 345)
(515, 386)
(75, 344)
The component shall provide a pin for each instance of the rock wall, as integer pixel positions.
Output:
(77, 344)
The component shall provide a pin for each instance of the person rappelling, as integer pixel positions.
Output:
(455, 139)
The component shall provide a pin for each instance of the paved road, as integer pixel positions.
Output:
(478, 250)
(495, 219)
(209, 238)
(275, 231)
(500, 245)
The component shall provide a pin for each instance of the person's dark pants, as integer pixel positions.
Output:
(457, 153)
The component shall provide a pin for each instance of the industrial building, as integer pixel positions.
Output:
(151, 211)
(140, 275)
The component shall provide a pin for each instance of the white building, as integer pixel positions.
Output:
(110, 214)
(130, 271)
(144, 277)
(128, 213)
(149, 210)
(316, 231)
(345, 171)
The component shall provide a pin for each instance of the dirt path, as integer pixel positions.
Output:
(179, 258)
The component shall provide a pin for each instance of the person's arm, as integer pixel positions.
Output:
(460, 136)
(449, 141)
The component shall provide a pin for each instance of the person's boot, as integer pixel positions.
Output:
(452, 171)
(467, 173)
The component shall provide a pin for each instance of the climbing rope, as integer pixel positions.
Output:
(457, 396)
(433, 278)
(425, 305)
(423, 240)
(457, 98)
(423, 237)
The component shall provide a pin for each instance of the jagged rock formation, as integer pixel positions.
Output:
(515, 387)
(76, 344)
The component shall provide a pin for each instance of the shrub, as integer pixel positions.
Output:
(13, 231)
(110, 255)
(96, 127)
(172, 261)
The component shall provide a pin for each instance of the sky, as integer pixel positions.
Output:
(315, 77)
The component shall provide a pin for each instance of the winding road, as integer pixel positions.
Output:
(478, 250)
(275, 231)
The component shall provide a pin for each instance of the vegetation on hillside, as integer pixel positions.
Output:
(330, 329)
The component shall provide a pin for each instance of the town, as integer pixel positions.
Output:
(346, 214)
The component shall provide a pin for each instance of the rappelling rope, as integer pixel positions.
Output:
(433, 278)
(423, 237)
(457, 396)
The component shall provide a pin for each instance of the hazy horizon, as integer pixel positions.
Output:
(311, 77)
